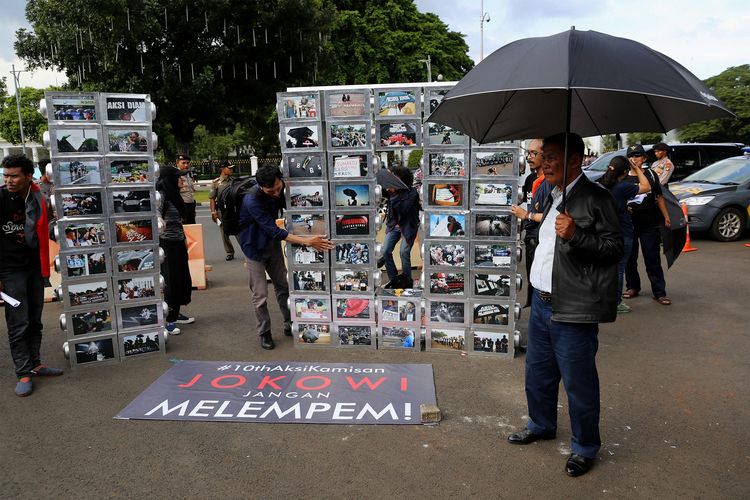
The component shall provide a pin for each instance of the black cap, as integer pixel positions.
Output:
(226, 164)
(660, 146)
(183, 157)
(636, 150)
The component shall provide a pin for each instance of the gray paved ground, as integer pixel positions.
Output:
(675, 406)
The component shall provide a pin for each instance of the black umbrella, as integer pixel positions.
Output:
(388, 179)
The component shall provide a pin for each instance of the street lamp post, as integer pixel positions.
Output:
(428, 62)
(484, 19)
(16, 75)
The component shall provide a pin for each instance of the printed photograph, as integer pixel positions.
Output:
(74, 108)
(352, 253)
(128, 141)
(396, 103)
(84, 264)
(304, 166)
(396, 310)
(496, 285)
(351, 280)
(443, 135)
(134, 230)
(135, 260)
(299, 106)
(88, 322)
(447, 283)
(349, 135)
(83, 294)
(493, 194)
(434, 97)
(350, 166)
(492, 255)
(446, 312)
(312, 308)
(447, 254)
(447, 165)
(353, 224)
(306, 136)
(94, 351)
(490, 314)
(400, 134)
(445, 195)
(447, 339)
(82, 203)
(127, 109)
(445, 225)
(78, 172)
(303, 254)
(354, 308)
(140, 343)
(348, 104)
(495, 342)
(307, 195)
(131, 200)
(490, 224)
(312, 333)
(76, 140)
(308, 224)
(84, 234)
(494, 163)
(395, 337)
(140, 315)
(130, 172)
(310, 281)
(355, 335)
(352, 195)
(139, 287)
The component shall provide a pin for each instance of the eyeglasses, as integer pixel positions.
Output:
(532, 154)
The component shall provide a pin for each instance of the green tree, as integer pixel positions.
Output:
(609, 143)
(732, 86)
(34, 124)
(644, 138)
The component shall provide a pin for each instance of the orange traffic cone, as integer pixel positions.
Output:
(688, 247)
(747, 244)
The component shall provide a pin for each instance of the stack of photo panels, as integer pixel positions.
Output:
(104, 175)
(470, 240)
(329, 171)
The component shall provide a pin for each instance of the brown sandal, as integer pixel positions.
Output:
(630, 293)
(665, 301)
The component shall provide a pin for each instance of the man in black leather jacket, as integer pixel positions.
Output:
(574, 275)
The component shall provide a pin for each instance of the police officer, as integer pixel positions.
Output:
(187, 188)
(217, 186)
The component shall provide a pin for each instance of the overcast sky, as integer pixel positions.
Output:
(706, 37)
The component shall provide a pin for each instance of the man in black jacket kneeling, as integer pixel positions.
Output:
(574, 276)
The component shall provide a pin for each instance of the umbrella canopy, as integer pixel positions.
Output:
(610, 84)
(388, 179)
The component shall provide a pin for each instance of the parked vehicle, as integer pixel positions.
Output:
(718, 198)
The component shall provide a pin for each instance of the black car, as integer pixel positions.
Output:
(718, 198)
(686, 158)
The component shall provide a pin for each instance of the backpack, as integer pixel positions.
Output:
(229, 203)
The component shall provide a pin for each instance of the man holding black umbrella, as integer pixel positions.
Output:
(574, 276)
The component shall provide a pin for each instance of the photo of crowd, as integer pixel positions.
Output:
(353, 224)
(131, 200)
(83, 294)
(304, 166)
(447, 283)
(76, 140)
(352, 195)
(443, 135)
(352, 253)
(350, 166)
(134, 260)
(134, 230)
(349, 135)
(446, 164)
(303, 254)
(299, 106)
(445, 195)
(355, 335)
(307, 195)
(348, 104)
(402, 134)
(78, 172)
(88, 322)
(352, 280)
(444, 225)
(491, 342)
(490, 314)
(447, 312)
(395, 310)
(140, 343)
(398, 337)
(491, 224)
(85, 264)
(81, 203)
(497, 285)
(307, 136)
(312, 308)
(312, 333)
(141, 287)
(310, 281)
(447, 254)
(130, 172)
(494, 163)
(94, 351)
(74, 108)
(308, 224)
(138, 316)
(492, 255)
(128, 141)
(493, 194)
(126, 109)
(446, 339)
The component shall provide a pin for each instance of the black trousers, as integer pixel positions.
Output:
(531, 244)
(190, 213)
(25, 321)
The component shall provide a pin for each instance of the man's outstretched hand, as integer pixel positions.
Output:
(319, 242)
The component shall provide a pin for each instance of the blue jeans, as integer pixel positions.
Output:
(627, 240)
(650, 243)
(391, 238)
(25, 321)
(564, 351)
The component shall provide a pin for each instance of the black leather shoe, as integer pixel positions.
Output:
(266, 341)
(526, 437)
(230, 257)
(578, 465)
(288, 331)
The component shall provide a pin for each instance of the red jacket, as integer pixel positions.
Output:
(42, 230)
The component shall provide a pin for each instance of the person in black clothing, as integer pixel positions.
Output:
(403, 224)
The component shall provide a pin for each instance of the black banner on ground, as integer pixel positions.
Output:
(287, 392)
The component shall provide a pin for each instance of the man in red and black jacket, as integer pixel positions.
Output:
(24, 263)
